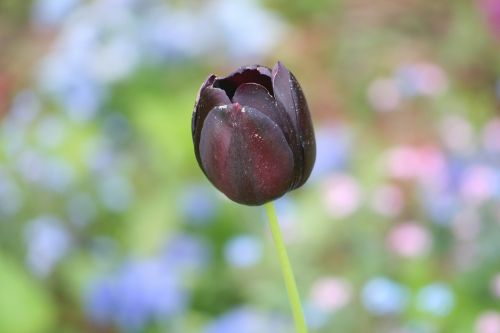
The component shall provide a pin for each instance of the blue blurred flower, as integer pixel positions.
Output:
(107, 64)
(50, 173)
(140, 293)
(247, 29)
(245, 320)
(79, 95)
(316, 317)
(189, 39)
(332, 150)
(436, 298)
(47, 243)
(25, 107)
(421, 79)
(439, 206)
(382, 296)
(87, 54)
(185, 253)
(52, 13)
(243, 251)
(100, 156)
(197, 204)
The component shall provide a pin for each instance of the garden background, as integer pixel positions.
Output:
(107, 224)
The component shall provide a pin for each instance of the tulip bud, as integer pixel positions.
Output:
(252, 133)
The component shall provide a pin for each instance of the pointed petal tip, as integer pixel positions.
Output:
(279, 66)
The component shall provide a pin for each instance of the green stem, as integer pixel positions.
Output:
(291, 286)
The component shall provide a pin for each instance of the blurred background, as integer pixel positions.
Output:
(108, 225)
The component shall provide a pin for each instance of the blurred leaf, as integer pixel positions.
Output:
(24, 306)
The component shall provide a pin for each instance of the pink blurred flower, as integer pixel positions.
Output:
(426, 164)
(342, 195)
(490, 9)
(330, 293)
(400, 162)
(488, 322)
(409, 240)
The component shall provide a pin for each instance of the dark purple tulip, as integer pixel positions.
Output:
(252, 133)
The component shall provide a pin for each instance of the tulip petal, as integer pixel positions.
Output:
(290, 97)
(208, 99)
(245, 154)
(250, 74)
(256, 96)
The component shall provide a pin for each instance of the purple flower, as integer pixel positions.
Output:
(252, 133)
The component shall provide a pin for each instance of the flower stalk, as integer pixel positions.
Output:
(286, 268)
